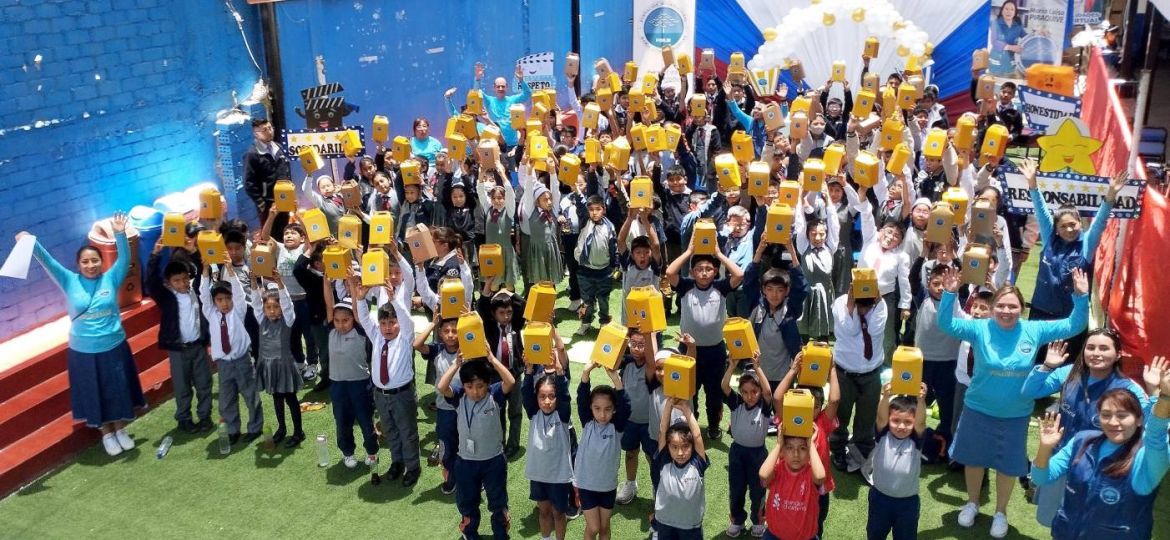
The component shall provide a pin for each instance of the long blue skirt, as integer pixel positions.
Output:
(104, 387)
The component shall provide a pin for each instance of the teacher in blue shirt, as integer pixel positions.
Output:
(993, 430)
(103, 381)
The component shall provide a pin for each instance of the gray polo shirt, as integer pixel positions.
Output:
(547, 457)
(897, 464)
(443, 361)
(598, 456)
(749, 425)
(657, 402)
(634, 381)
(680, 501)
(348, 360)
(936, 345)
(703, 310)
(481, 436)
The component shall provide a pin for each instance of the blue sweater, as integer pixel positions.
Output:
(497, 109)
(1004, 358)
(1057, 260)
(93, 303)
(1149, 465)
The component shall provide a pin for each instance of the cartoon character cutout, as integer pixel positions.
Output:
(1068, 147)
(322, 111)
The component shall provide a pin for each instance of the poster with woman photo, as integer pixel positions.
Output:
(1025, 32)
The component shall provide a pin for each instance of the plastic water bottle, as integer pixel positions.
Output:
(322, 451)
(225, 445)
(164, 447)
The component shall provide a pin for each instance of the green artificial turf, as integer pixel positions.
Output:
(194, 492)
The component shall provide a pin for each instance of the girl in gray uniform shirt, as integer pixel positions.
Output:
(548, 466)
(680, 501)
(603, 412)
(276, 370)
(751, 412)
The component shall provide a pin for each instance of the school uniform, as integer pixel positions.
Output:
(599, 451)
(657, 403)
(311, 281)
(504, 341)
(777, 330)
(548, 465)
(680, 500)
(480, 464)
(596, 253)
(939, 353)
(349, 389)
(704, 310)
(445, 428)
(858, 358)
(632, 276)
(230, 346)
(276, 371)
(576, 214)
(749, 430)
(636, 433)
(793, 504)
(894, 472)
(498, 225)
(825, 426)
(893, 276)
(392, 373)
(286, 262)
(182, 332)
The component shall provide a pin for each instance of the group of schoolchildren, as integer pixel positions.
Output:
(275, 333)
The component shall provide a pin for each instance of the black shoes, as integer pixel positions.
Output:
(295, 440)
(205, 425)
(188, 427)
(396, 470)
(278, 435)
(411, 477)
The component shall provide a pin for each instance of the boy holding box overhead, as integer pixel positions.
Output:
(596, 256)
(703, 312)
(858, 353)
(896, 467)
(775, 305)
(503, 316)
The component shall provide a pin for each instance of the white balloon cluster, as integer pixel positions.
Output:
(879, 17)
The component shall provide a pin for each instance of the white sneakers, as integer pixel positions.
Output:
(627, 492)
(758, 530)
(310, 373)
(999, 525)
(110, 442)
(350, 462)
(575, 304)
(734, 530)
(371, 461)
(967, 514)
(124, 439)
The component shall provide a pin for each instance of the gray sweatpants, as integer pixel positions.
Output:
(399, 417)
(191, 370)
(238, 378)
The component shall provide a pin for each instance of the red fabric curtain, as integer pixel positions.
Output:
(1137, 296)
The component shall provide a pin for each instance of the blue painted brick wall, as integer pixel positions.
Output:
(121, 110)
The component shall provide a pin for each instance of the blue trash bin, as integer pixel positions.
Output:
(149, 223)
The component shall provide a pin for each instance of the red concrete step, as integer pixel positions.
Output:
(40, 404)
(62, 438)
(40, 366)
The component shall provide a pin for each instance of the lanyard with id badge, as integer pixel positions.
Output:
(469, 415)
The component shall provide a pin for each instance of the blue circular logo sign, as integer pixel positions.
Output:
(739, 343)
(1110, 495)
(607, 348)
(453, 299)
(798, 420)
(663, 26)
(470, 336)
(380, 228)
(373, 267)
(906, 376)
(814, 367)
(674, 375)
(535, 347)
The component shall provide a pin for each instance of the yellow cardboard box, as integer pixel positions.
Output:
(907, 368)
(541, 297)
(472, 342)
(538, 343)
(678, 377)
(610, 346)
(740, 339)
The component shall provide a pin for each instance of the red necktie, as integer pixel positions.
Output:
(385, 363)
(223, 334)
(505, 349)
(865, 337)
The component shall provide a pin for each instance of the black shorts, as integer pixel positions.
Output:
(557, 494)
(594, 499)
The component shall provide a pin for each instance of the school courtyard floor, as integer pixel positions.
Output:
(194, 492)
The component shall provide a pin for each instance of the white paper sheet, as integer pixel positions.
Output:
(18, 261)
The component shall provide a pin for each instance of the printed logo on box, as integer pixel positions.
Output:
(798, 420)
(470, 336)
(607, 348)
(674, 375)
(535, 347)
(906, 376)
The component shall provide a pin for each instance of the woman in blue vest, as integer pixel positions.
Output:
(1081, 385)
(1112, 474)
(1066, 246)
(104, 390)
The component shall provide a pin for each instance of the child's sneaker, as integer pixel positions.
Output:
(110, 443)
(967, 514)
(310, 373)
(734, 530)
(758, 530)
(371, 461)
(999, 525)
(627, 492)
(575, 304)
(582, 330)
(350, 462)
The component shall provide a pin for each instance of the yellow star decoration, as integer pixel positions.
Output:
(1068, 148)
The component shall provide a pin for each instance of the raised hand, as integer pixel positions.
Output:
(951, 279)
(1115, 184)
(1080, 281)
(1152, 373)
(1028, 168)
(119, 222)
(1050, 431)
(1057, 354)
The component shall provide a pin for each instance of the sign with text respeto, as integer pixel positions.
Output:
(538, 71)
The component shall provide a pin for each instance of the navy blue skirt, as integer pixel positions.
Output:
(104, 387)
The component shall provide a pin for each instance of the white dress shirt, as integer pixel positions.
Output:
(892, 267)
(849, 348)
(188, 316)
(238, 338)
(400, 353)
